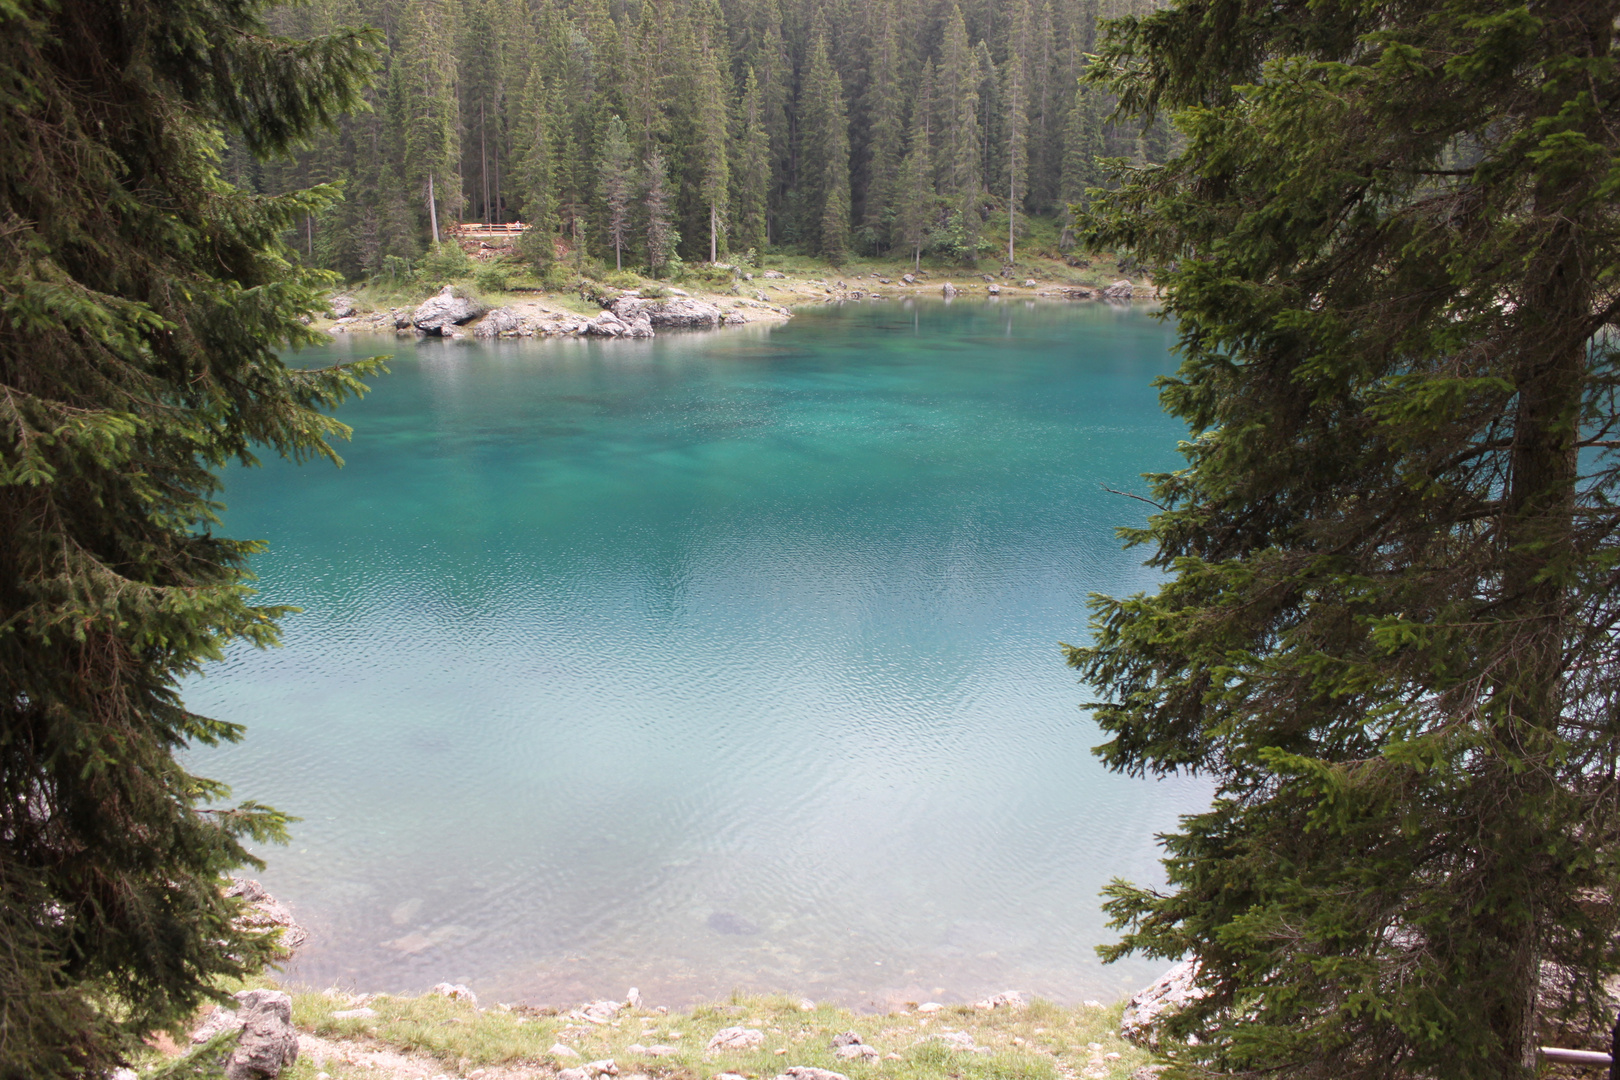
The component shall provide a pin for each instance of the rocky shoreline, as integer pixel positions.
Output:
(631, 315)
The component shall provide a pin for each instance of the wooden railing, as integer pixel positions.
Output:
(508, 228)
(1591, 1058)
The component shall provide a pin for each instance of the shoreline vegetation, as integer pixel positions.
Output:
(478, 292)
(446, 1035)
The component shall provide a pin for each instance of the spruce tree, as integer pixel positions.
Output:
(659, 227)
(886, 128)
(752, 176)
(433, 117)
(616, 184)
(1387, 636)
(535, 182)
(914, 201)
(827, 151)
(145, 299)
(1016, 98)
(713, 129)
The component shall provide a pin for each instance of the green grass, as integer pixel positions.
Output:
(1026, 1044)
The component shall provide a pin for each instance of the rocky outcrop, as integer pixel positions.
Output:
(501, 322)
(1148, 1008)
(1011, 999)
(675, 313)
(268, 1042)
(611, 325)
(948, 289)
(774, 275)
(1119, 290)
(263, 912)
(438, 313)
(341, 307)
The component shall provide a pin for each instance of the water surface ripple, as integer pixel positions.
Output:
(711, 662)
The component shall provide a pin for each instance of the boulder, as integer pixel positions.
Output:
(1079, 292)
(1119, 290)
(734, 318)
(849, 1047)
(1030, 283)
(948, 289)
(607, 324)
(268, 1042)
(774, 275)
(341, 307)
(597, 1012)
(1147, 1008)
(675, 313)
(499, 322)
(632, 1000)
(994, 290)
(437, 313)
(640, 327)
(737, 1038)
(930, 1007)
(909, 279)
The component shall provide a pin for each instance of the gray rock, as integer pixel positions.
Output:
(930, 1007)
(995, 290)
(437, 313)
(341, 307)
(805, 1072)
(1119, 290)
(956, 1040)
(734, 318)
(1030, 283)
(268, 1042)
(499, 322)
(848, 1038)
(909, 279)
(774, 275)
(1147, 1008)
(221, 1019)
(632, 1000)
(675, 313)
(948, 289)
(607, 324)
(1079, 292)
(737, 1038)
(558, 1050)
(640, 327)
(597, 1012)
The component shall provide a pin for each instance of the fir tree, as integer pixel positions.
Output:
(536, 169)
(886, 129)
(662, 236)
(712, 136)
(1016, 98)
(827, 148)
(1387, 636)
(752, 177)
(433, 124)
(915, 188)
(145, 301)
(616, 184)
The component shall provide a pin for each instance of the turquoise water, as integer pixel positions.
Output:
(717, 661)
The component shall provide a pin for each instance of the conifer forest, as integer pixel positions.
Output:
(635, 134)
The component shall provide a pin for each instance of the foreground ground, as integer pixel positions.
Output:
(433, 1036)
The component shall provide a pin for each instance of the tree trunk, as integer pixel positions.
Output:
(1012, 212)
(433, 209)
(714, 231)
(483, 158)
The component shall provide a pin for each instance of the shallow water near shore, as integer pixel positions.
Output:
(718, 661)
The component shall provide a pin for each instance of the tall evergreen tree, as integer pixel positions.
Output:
(1016, 100)
(433, 117)
(1388, 633)
(660, 232)
(536, 170)
(145, 300)
(616, 184)
(885, 126)
(713, 130)
(752, 177)
(914, 201)
(827, 148)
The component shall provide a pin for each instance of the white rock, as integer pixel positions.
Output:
(1171, 992)
(948, 289)
(1030, 283)
(455, 992)
(1093, 1004)
(676, 313)
(501, 321)
(558, 1050)
(857, 1052)
(909, 279)
(956, 1040)
(737, 1038)
(607, 324)
(265, 912)
(774, 275)
(806, 1005)
(994, 290)
(632, 1000)
(930, 1007)
(1119, 290)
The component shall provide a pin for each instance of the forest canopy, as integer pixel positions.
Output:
(825, 128)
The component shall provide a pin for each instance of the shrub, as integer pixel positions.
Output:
(445, 262)
(492, 277)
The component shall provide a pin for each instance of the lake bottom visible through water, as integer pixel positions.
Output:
(715, 662)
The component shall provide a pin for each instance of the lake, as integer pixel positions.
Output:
(717, 661)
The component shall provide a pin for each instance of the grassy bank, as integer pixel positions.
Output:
(431, 1036)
